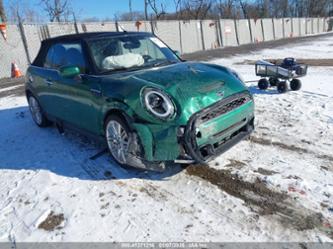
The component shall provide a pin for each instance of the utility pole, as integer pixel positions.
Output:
(130, 9)
(2, 12)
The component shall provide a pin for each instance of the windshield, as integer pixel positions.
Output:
(130, 52)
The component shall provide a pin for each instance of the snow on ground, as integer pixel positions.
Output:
(277, 186)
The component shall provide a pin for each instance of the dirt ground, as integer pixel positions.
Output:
(261, 199)
(9, 87)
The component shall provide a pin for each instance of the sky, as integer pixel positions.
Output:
(93, 8)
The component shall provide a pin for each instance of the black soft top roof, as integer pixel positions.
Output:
(77, 37)
(89, 35)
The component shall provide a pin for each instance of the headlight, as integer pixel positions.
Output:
(158, 103)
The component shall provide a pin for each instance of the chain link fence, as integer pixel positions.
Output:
(23, 40)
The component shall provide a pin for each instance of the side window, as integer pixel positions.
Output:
(55, 57)
(66, 54)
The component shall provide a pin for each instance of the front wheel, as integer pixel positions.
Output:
(118, 139)
(37, 112)
(124, 146)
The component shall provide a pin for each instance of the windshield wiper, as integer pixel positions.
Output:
(120, 69)
(129, 69)
(164, 63)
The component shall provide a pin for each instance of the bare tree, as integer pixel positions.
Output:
(198, 9)
(134, 16)
(178, 7)
(157, 7)
(2, 12)
(57, 10)
(146, 9)
(19, 10)
(226, 8)
(130, 9)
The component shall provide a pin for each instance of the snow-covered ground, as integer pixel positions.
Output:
(277, 186)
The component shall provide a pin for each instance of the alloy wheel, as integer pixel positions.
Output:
(118, 141)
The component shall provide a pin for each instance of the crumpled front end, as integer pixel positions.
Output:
(207, 134)
(215, 129)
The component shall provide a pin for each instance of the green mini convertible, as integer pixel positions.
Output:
(136, 94)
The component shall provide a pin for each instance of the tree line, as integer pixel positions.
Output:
(61, 10)
(236, 9)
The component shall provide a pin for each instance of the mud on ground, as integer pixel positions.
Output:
(262, 199)
(12, 87)
(52, 222)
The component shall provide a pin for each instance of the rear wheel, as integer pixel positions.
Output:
(263, 84)
(282, 87)
(274, 81)
(37, 112)
(295, 84)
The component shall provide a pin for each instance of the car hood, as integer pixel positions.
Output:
(193, 86)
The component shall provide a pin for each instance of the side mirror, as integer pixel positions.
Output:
(69, 71)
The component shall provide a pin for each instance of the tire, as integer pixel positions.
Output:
(263, 84)
(133, 159)
(37, 112)
(282, 87)
(295, 84)
(117, 135)
(274, 81)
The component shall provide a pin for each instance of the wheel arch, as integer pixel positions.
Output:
(121, 112)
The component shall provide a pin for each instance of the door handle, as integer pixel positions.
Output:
(49, 82)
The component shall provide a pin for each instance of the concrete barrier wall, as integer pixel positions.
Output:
(191, 36)
(210, 34)
(12, 50)
(308, 26)
(302, 26)
(321, 25)
(278, 28)
(34, 35)
(97, 27)
(184, 36)
(243, 30)
(136, 26)
(57, 29)
(287, 27)
(295, 27)
(328, 24)
(168, 31)
(228, 33)
(268, 29)
(315, 25)
(257, 30)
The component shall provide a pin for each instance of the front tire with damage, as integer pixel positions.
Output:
(125, 147)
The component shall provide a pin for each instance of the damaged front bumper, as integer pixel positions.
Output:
(209, 132)
(216, 129)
